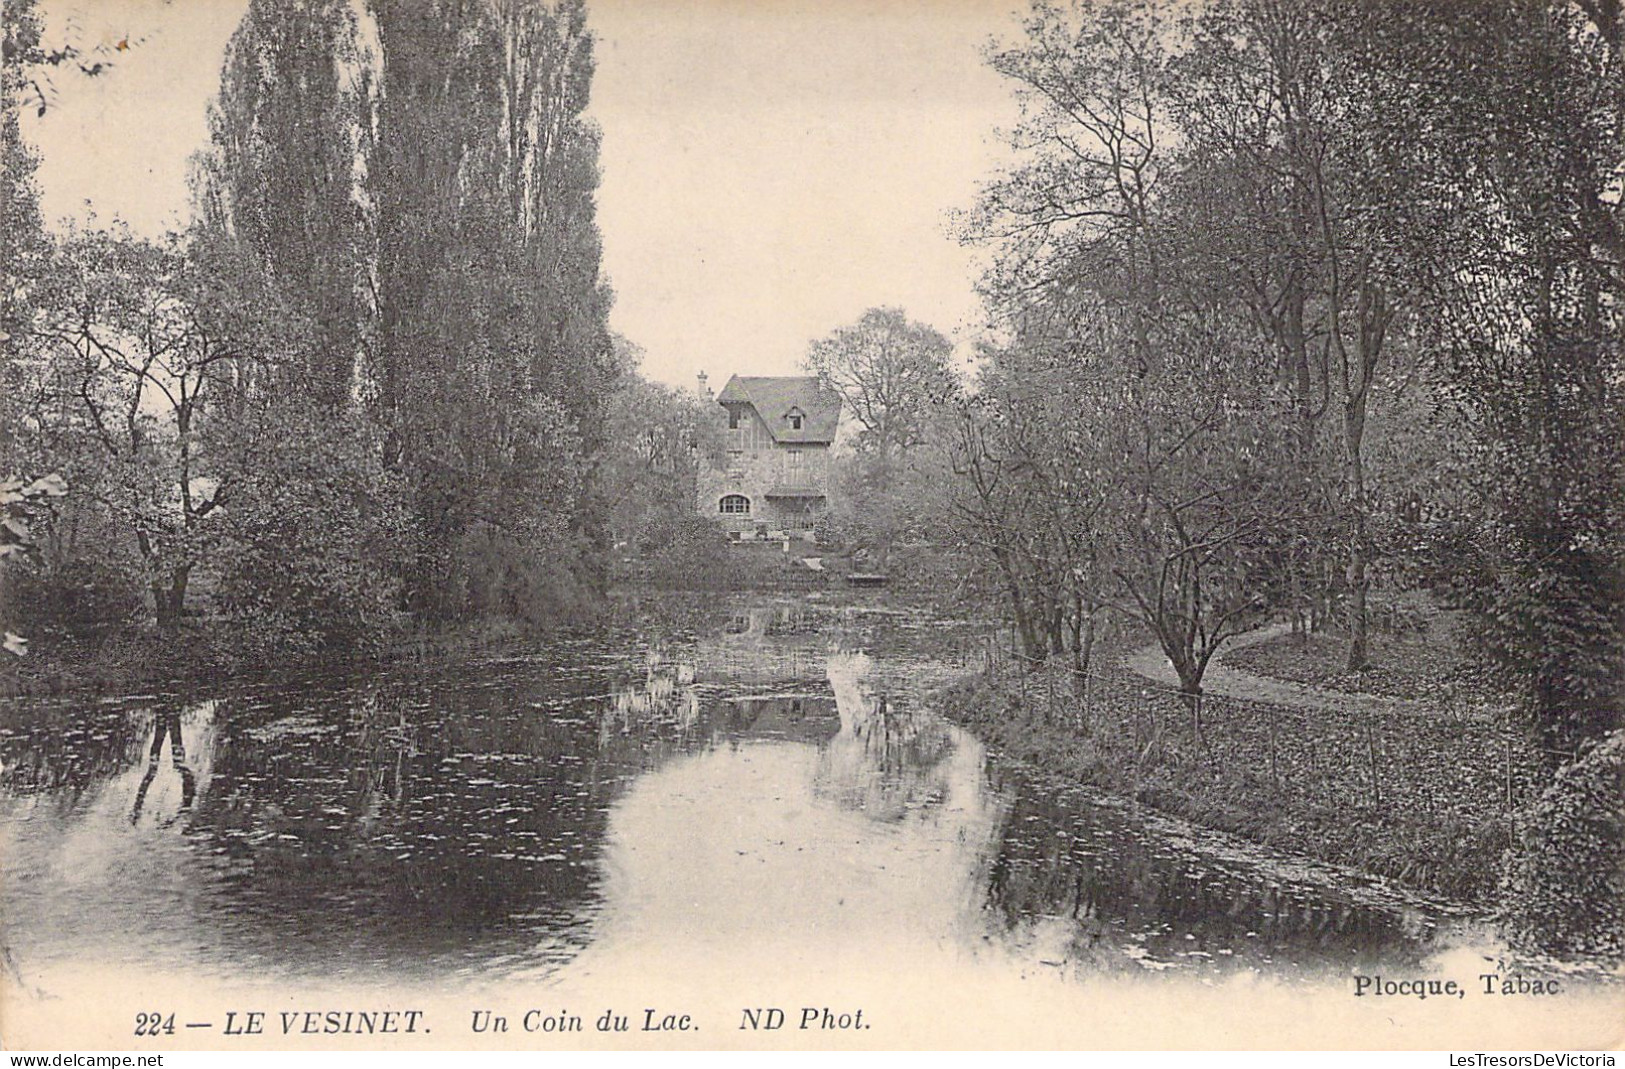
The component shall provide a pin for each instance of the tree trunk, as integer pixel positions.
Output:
(1190, 671)
(1032, 638)
(1190, 691)
(1359, 649)
(1083, 642)
(1358, 580)
(169, 600)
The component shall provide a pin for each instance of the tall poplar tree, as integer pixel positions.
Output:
(415, 183)
(282, 181)
(494, 354)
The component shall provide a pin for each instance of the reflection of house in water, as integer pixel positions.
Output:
(669, 695)
(798, 717)
(885, 760)
(665, 697)
(875, 753)
(760, 661)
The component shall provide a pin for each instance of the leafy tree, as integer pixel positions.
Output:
(1527, 323)
(493, 355)
(133, 351)
(895, 378)
(280, 183)
(20, 507)
(22, 238)
(891, 373)
(995, 501)
(26, 258)
(655, 440)
(23, 250)
(311, 528)
(418, 200)
(1156, 495)
(1136, 426)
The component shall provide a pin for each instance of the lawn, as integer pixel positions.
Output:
(1426, 663)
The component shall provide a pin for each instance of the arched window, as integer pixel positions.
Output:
(734, 505)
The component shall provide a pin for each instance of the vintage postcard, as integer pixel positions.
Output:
(862, 524)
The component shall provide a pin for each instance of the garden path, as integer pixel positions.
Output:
(1225, 680)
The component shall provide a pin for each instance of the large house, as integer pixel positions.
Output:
(776, 477)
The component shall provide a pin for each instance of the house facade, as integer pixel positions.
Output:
(774, 482)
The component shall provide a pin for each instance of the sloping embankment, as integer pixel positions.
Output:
(1419, 796)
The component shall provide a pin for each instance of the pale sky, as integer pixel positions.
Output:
(771, 168)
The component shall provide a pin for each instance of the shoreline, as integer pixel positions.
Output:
(1382, 844)
(1034, 724)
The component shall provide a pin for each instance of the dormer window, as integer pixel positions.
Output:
(795, 416)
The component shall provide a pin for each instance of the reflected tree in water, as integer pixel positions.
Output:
(166, 724)
(58, 748)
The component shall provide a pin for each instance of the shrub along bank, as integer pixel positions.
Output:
(1566, 884)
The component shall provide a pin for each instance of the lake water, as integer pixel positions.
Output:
(539, 817)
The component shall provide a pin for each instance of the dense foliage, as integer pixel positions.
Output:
(1306, 299)
(895, 378)
(1566, 890)
(1309, 302)
(368, 387)
(655, 441)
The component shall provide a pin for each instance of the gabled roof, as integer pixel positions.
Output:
(773, 398)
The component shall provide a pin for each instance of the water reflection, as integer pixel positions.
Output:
(166, 724)
(400, 829)
(834, 830)
(886, 759)
(58, 747)
(667, 695)
(763, 791)
(97, 864)
(1089, 887)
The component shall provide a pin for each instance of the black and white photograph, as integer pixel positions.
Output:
(840, 525)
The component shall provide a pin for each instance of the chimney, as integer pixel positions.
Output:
(705, 386)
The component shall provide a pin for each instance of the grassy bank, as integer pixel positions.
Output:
(1296, 784)
(1427, 661)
